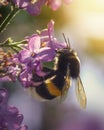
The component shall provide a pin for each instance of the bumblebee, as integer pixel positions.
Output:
(58, 80)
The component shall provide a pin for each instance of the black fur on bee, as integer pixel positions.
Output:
(54, 82)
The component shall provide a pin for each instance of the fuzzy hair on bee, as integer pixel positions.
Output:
(57, 82)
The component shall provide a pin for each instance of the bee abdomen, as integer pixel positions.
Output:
(43, 91)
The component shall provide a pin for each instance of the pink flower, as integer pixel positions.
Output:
(55, 4)
(33, 7)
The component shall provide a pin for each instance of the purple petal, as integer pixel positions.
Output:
(12, 110)
(60, 45)
(33, 9)
(21, 3)
(19, 119)
(23, 55)
(34, 43)
(39, 72)
(54, 44)
(51, 28)
(46, 54)
(3, 96)
(24, 75)
(23, 127)
(6, 78)
(3, 93)
(44, 32)
(10, 119)
(25, 78)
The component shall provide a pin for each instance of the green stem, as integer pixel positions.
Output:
(13, 47)
(8, 19)
(19, 43)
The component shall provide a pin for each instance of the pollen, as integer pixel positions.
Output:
(33, 54)
(43, 44)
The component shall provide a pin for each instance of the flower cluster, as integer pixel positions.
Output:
(8, 66)
(10, 118)
(40, 48)
(33, 7)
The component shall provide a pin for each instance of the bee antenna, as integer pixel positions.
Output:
(66, 40)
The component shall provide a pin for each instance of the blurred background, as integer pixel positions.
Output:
(82, 21)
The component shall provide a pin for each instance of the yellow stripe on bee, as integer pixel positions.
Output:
(53, 90)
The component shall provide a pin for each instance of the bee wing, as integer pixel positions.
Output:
(66, 85)
(80, 93)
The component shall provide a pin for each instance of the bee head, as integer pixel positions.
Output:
(68, 58)
(65, 52)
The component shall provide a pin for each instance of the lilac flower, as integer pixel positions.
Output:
(47, 36)
(28, 62)
(35, 51)
(32, 58)
(41, 48)
(35, 54)
(9, 66)
(33, 7)
(10, 118)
